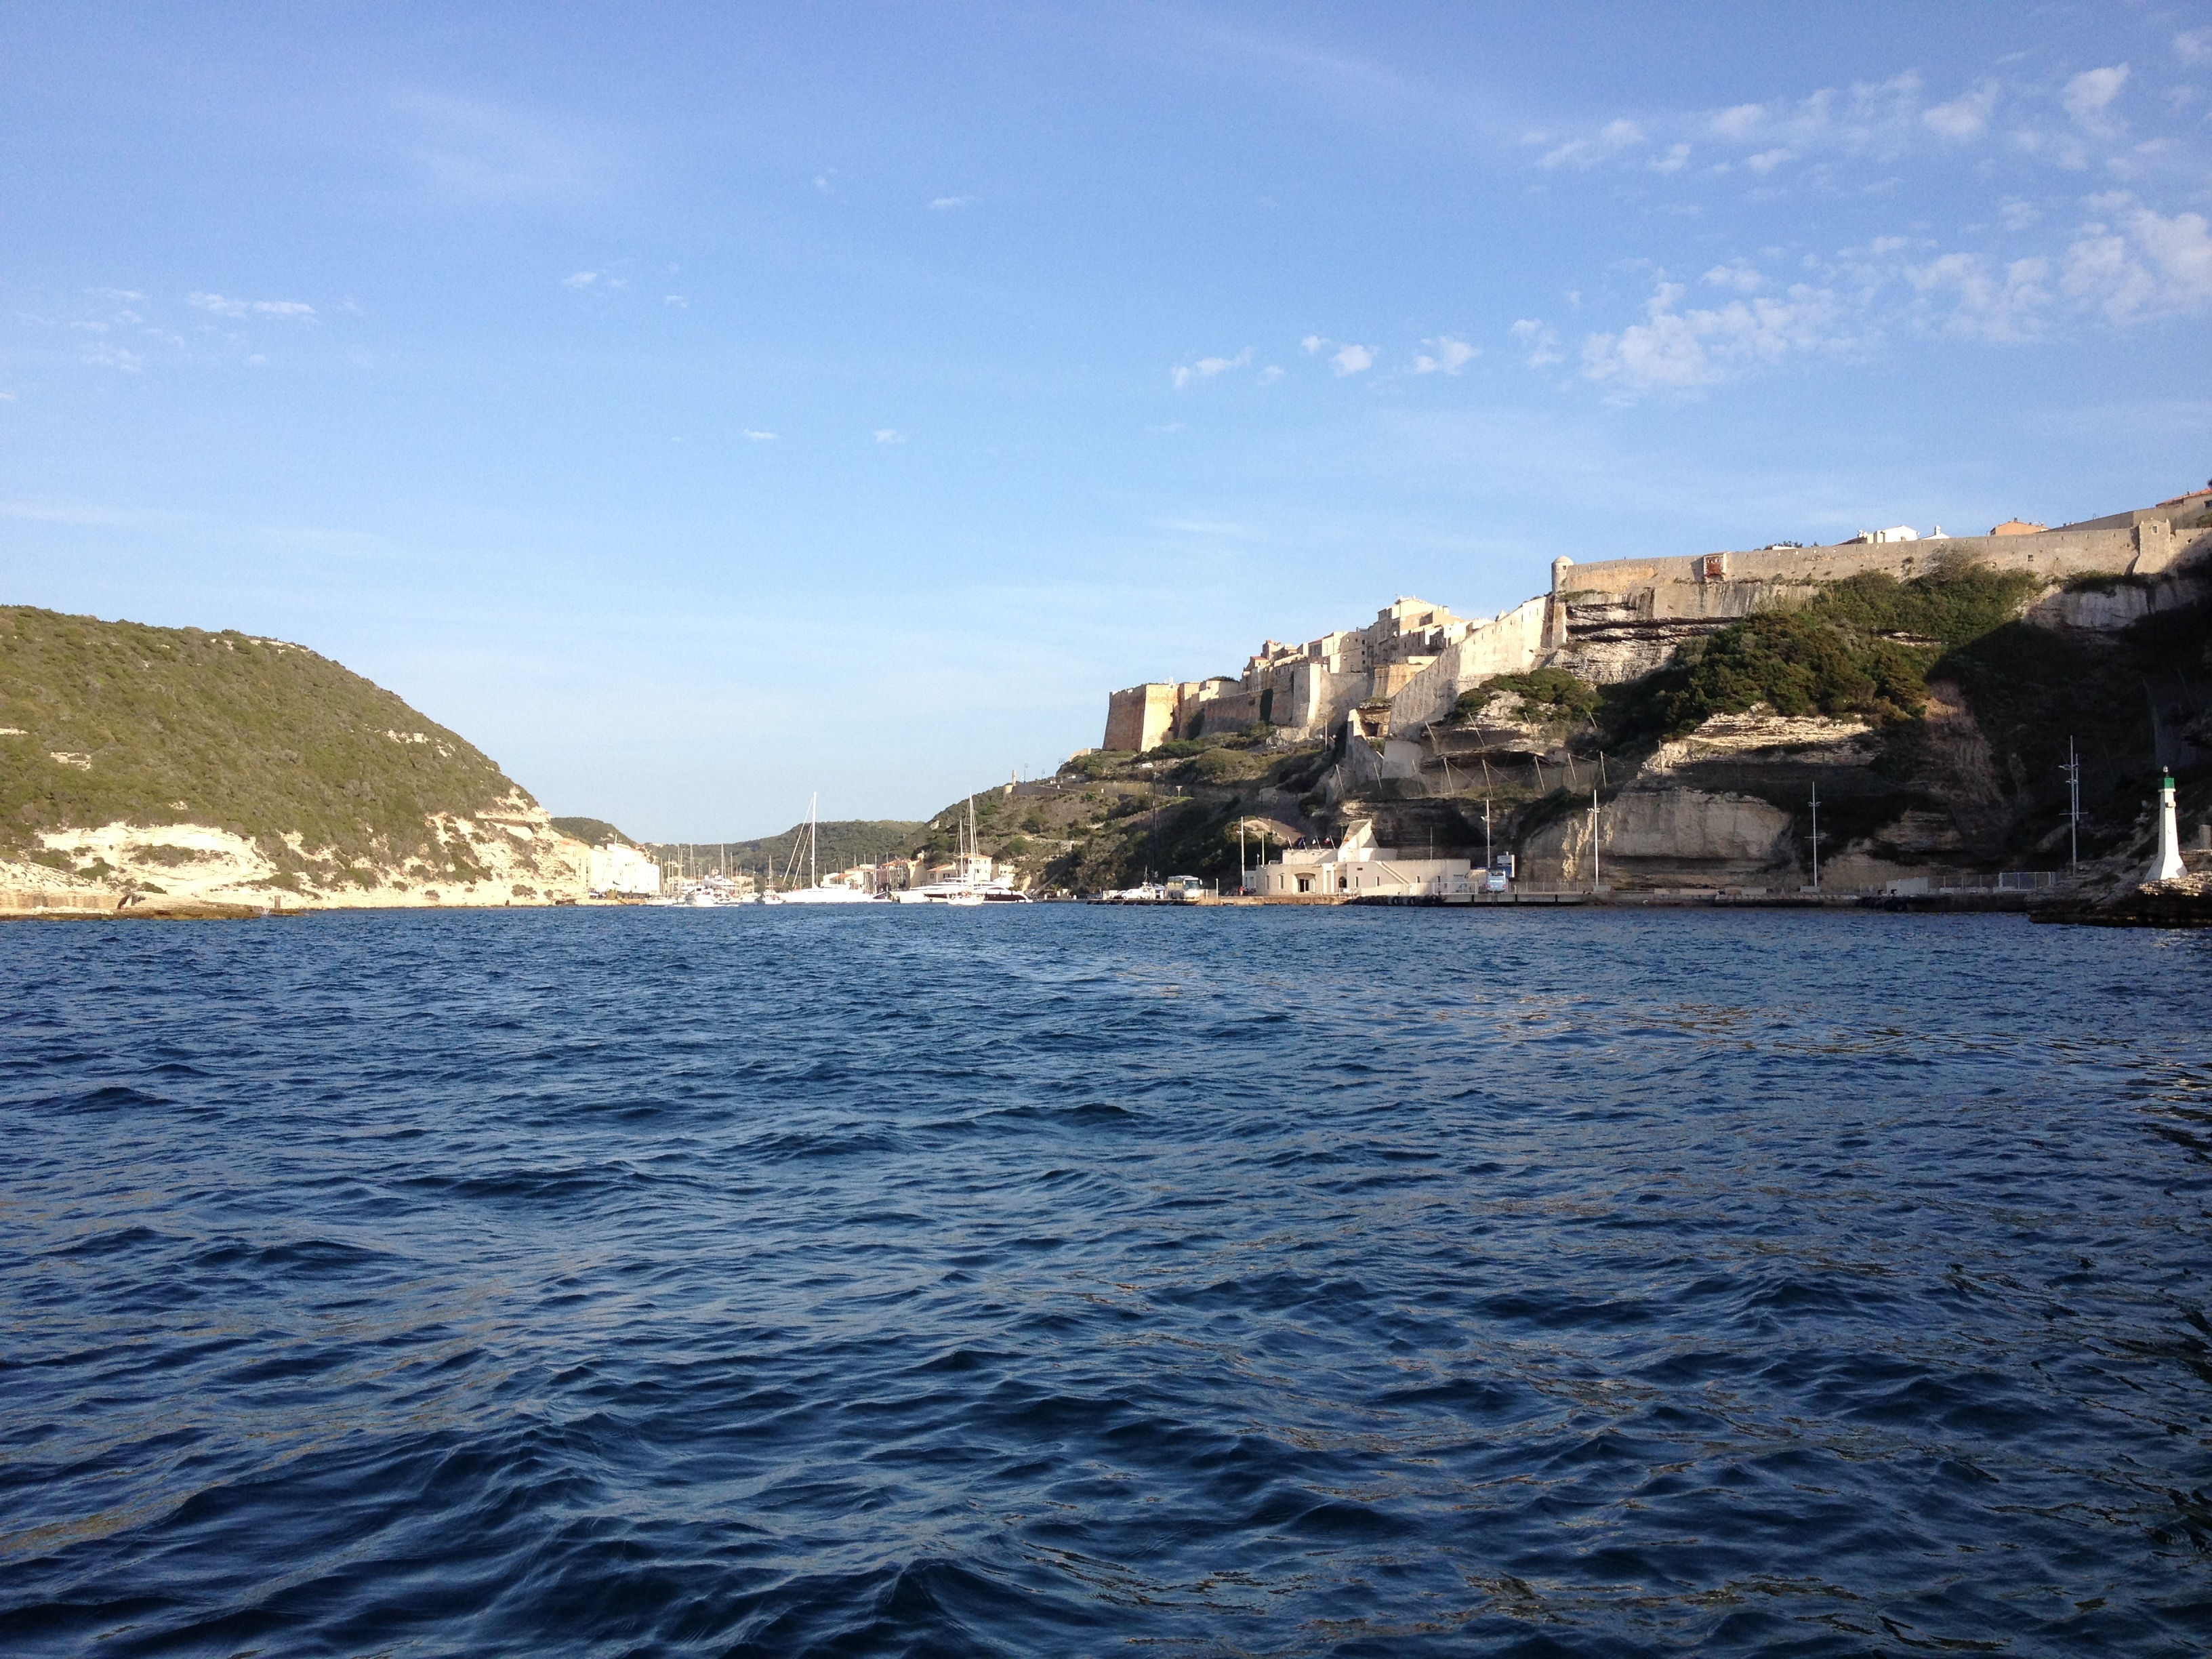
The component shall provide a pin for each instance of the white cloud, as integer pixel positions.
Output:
(1680, 350)
(1311, 343)
(675, 300)
(223, 306)
(582, 279)
(121, 295)
(1736, 274)
(2018, 214)
(1961, 296)
(2194, 47)
(1767, 159)
(102, 354)
(890, 435)
(1540, 344)
(2141, 264)
(1676, 158)
(765, 437)
(944, 204)
(2089, 95)
(1354, 360)
(1451, 357)
(1966, 117)
(1207, 367)
(1609, 142)
(1270, 374)
(1740, 122)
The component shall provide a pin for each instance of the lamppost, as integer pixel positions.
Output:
(1816, 838)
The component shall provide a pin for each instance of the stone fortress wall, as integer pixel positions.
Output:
(1615, 619)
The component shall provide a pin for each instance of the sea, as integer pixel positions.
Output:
(1061, 1281)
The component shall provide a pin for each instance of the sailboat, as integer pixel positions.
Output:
(972, 882)
(817, 891)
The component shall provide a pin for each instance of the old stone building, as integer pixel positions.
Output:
(1306, 688)
(1616, 619)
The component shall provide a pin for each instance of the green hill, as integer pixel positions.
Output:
(106, 722)
(842, 844)
(593, 832)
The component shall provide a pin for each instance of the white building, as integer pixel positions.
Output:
(1359, 869)
(622, 870)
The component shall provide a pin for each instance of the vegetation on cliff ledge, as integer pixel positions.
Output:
(1862, 647)
(105, 722)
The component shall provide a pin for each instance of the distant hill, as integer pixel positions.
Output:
(174, 759)
(593, 832)
(842, 844)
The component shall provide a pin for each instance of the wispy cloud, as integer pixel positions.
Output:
(945, 203)
(222, 306)
(1964, 117)
(1603, 145)
(1449, 356)
(1678, 350)
(1967, 297)
(1539, 343)
(2089, 96)
(1207, 367)
(582, 279)
(2193, 46)
(2127, 266)
(2135, 264)
(105, 353)
(1354, 360)
(770, 437)
(890, 435)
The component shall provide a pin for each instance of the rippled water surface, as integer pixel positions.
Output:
(1074, 1281)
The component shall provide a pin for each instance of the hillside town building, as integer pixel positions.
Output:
(622, 870)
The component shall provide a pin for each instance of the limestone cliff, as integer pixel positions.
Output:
(164, 765)
(1930, 712)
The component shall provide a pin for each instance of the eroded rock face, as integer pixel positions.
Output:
(525, 860)
(1668, 837)
(1814, 740)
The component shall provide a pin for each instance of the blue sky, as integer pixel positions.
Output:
(698, 406)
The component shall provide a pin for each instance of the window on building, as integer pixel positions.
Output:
(1305, 884)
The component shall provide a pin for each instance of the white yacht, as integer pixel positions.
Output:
(817, 890)
(972, 882)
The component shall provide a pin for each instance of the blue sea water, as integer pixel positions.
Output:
(1068, 1281)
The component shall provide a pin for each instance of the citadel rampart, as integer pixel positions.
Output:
(1616, 619)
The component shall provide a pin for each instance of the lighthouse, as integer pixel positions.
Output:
(2168, 864)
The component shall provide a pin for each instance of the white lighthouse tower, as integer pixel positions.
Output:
(2168, 864)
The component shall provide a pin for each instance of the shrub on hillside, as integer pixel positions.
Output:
(1550, 692)
(1798, 663)
(1955, 605)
